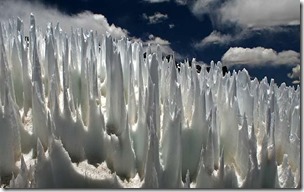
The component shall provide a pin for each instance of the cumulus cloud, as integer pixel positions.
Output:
(259, 56)
(261, 13)
(201, 7)
(218, 38)
(164, 46)
(257, 13)
(156, 18)
(250, 17)
(295, 74)
(11, 9)
(171, 26)
(156, 1)
(215, 37)
(157, 40)
(296, 82)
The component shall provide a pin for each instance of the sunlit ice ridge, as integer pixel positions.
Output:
(85, 110)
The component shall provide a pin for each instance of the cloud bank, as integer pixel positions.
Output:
(259, 56)
(225, 39)
(261, 13)
(257, 13)
(11, 9)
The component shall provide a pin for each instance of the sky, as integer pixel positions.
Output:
(262, 36)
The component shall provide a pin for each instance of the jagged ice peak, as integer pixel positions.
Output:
(86, 110)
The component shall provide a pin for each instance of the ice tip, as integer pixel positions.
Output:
(40, 151)
(19, 19)
(23, 164)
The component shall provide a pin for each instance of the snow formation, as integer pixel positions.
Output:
(85, 110)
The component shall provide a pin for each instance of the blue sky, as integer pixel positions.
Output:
(261, 35)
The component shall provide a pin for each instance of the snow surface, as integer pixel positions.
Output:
(84, 110)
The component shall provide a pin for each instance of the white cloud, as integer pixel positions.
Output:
(261, 13)
(164, 46)
(296, 72)
(156, 1)
(259, 56)
(156, 18)
(11, 9)
(218, 38)
(215, 37)
(181, 2)
(201, 7)
(157, 40)
(171, 26)
(252, 16)
(296, 82)
(255, 13)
